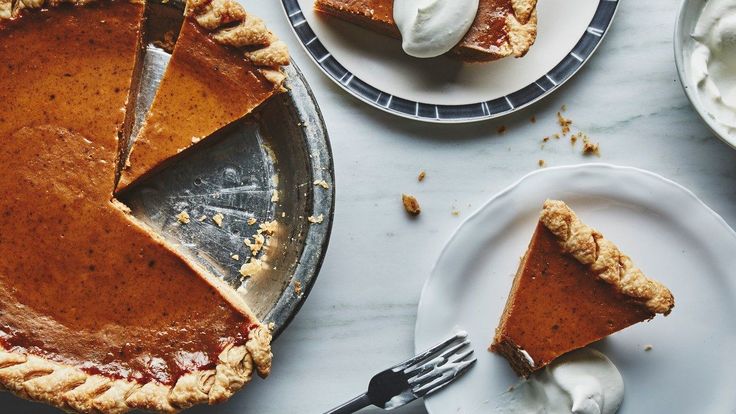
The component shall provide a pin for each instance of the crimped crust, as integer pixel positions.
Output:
(522, 31)
(229, 24)
(591, 248)
(69, 388)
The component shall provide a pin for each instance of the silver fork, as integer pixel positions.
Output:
(418, 377)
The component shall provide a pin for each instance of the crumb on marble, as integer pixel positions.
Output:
(541, 163)
(455, 213)
(202, 219)
(533, 119)
(565, 123)
(590, 148)
(648, 348)
(275, 197)
(235, 257)
(411, 204)
(298, 288)
(218, 218)
(502, 129)
(422, 175)
(183, 217)
(251, 221)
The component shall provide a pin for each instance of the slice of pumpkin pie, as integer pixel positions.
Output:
(573, 287)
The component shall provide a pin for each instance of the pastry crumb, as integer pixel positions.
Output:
(322, 183)
(257, 244)
(183, 217)
(455, 213)
(565, 123)
(590, 148)
(283, 214)
(533, 119)
(648, 348)
(201, 219)
(502, 129)
(268, 227)
(545, 139)
(411, 204)
(298, 288)
(275, 197)
(218, 218)
(251, 221)
(422, 175)
(316, 220)
(541, 163)
(235, 257)
(251, 268)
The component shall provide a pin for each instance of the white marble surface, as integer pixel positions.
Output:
(360, 316)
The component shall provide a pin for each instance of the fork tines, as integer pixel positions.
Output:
(438, 366)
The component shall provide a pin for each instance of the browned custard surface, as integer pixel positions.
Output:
(557, 304)
(80, 283)
(206, 87)
(487, 33)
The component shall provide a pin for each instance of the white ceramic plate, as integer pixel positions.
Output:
(666, 230)
(375, 69)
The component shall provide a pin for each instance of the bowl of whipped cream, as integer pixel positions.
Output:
(705, 54)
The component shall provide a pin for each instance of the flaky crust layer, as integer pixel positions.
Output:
(36, 378)
(591, 248)
(229, 24)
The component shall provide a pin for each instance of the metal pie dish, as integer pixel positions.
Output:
(687, 19)
(283, 148)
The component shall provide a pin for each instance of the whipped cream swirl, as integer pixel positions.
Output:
(580, 382)
(713, 61)
(430, 28)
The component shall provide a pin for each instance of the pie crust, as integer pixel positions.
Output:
(590, 248)
(68, 387)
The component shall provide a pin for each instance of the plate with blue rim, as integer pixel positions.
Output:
(374, 68)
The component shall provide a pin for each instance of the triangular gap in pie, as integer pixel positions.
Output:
(573, 287)
(97, 313)
(501, 28)
(224, 65)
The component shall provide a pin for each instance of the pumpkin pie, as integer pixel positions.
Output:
(573, 287)
(501, 28)
(224, 65)
(99, 314)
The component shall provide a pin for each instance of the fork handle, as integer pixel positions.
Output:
(357, 403)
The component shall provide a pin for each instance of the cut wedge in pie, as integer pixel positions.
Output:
(98, 314)
(501, 28)
(224, 65)
(573, 287)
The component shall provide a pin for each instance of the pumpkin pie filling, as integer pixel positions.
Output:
(97, 312)
(208, 84)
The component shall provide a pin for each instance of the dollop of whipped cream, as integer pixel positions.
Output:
(430, 28)
(580, 382)
(713, 61)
